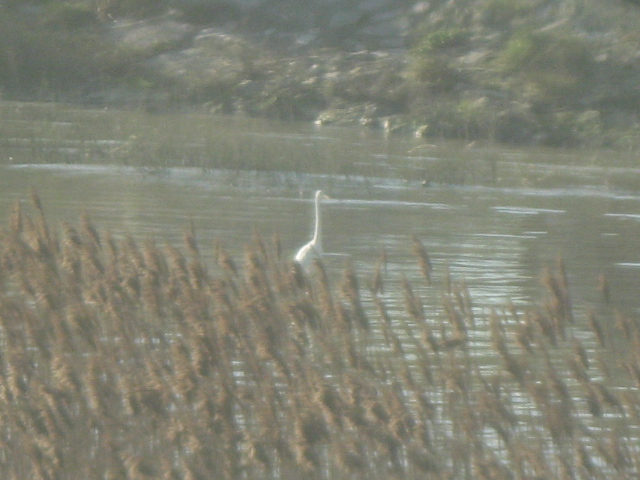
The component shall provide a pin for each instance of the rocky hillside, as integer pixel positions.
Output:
(534, 72)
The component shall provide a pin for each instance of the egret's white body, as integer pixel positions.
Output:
(312, 251)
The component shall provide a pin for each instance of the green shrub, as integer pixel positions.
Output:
(518, 52)
(436, 72)
(440, 39)
(41, 55)
(546, 66)
(547, 52)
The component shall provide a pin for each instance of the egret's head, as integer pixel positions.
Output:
(321, 196)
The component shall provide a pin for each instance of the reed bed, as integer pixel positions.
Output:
(123, 359)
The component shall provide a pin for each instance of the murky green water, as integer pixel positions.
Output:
(495, 218)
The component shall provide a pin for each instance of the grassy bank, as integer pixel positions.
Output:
(529, 72)
(128, 358)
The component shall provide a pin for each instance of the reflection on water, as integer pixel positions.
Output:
(495, 217)
(499, 240)
(496, 235)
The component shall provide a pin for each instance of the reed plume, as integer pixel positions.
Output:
(122, 359)
(351, 292)
(424, 262)
(377, 285)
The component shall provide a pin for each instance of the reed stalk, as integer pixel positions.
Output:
(122, 359)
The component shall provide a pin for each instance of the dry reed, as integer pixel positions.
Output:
(129, 362)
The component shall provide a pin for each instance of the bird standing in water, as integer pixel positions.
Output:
(312, 251)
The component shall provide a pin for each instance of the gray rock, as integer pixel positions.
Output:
(152, 37)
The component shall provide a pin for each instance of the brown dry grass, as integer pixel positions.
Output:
(128, 361)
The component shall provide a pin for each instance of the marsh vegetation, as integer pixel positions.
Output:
(129, 358)
(555, 73)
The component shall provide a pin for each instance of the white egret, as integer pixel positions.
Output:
(312, 251)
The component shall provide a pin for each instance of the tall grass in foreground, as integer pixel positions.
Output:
(133, 360)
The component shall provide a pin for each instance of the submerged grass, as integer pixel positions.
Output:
(133, 360)
(56, 134)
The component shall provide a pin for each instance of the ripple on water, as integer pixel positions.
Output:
(526, 210)
(623, 216)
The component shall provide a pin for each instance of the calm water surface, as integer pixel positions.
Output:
(495, 217)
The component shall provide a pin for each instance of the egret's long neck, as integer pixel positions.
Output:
(317, 234)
